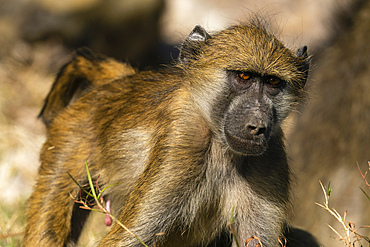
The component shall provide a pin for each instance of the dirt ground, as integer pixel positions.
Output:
(38, 36)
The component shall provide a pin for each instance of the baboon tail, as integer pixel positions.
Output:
(83, 73)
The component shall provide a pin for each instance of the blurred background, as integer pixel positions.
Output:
(332, 131)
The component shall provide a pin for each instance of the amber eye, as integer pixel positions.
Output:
(244, 76)
(273, 81)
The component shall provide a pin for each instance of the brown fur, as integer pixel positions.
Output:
(161, 136)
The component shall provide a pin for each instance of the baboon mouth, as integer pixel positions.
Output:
(250, 145)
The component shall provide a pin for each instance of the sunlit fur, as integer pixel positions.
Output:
(159, 135)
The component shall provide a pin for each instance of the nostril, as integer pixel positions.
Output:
(261, 130)
(252, 129)
(256, 130)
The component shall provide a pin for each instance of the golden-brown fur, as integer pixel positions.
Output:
(180, 143)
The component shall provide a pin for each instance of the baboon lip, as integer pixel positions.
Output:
(236, 138)
(246, 146)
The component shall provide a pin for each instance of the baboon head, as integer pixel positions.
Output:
(247, 79)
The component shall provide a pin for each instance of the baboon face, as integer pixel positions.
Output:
(253, 82)
(250, 116)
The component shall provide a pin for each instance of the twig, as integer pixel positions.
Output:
(337, 216)
(259, 244)
(232, 230)
(364, 175)
(103, 209)
(285, 241)
(350, 230)
(98, 201)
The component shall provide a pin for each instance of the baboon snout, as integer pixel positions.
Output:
(256, 128)
(256, 123)
(248, 131)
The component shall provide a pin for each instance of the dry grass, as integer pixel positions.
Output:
(349, 235)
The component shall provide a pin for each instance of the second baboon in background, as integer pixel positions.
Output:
(187, 146)
(332, 134)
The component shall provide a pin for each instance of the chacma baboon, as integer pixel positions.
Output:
(332, 134)
(187, 146)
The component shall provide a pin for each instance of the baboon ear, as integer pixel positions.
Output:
(192, 44)
(302, 52)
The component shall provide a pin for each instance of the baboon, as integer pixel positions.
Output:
(186, 146)
(332, 132)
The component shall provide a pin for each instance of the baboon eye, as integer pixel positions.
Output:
(244, 76)
(274, 81)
